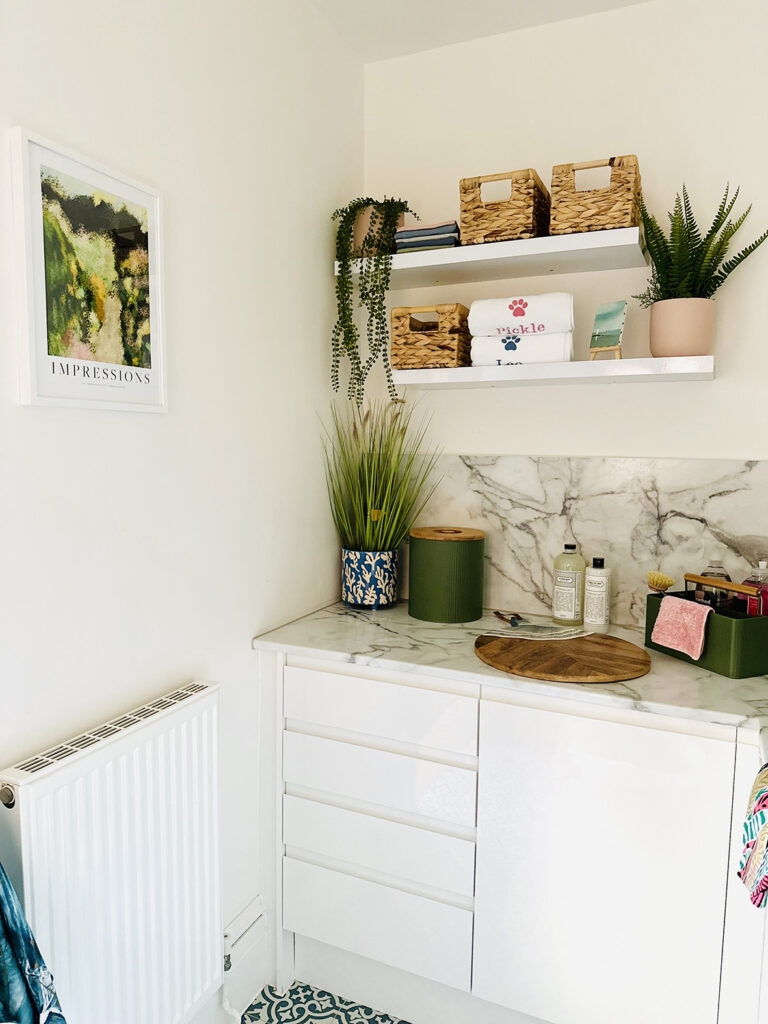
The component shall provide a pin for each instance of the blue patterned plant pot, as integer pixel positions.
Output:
(368, 578)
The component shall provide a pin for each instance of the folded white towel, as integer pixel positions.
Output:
(509, 350)
(523, 315)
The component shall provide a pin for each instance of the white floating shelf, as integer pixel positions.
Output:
(599, 371)
(619, 249)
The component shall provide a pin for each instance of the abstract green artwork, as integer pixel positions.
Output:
(89, 273)
(96, 257)
(609, 325)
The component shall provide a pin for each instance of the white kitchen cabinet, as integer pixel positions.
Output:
(602, 855)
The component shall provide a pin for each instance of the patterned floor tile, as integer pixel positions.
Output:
(303, 1004)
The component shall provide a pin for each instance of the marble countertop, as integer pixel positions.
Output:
(390, 640)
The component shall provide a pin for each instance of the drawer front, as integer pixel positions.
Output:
(412, 854)
(443, 721)
(433, 940)
(396, 781)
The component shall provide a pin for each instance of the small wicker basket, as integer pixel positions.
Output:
(524, 215)
(597, 209)
(418, 344)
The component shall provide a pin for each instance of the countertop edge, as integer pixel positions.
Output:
(500, 679)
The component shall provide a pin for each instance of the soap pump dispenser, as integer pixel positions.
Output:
(568, 587)
(597, 597)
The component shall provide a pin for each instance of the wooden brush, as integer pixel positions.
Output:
(659, 582)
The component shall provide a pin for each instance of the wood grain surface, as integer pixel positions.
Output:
(587, 659)
(446, 533)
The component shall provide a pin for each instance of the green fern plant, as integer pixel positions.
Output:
(689, 264)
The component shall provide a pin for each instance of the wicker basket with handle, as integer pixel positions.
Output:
(419, 343)
(598, 209)
(524, 215)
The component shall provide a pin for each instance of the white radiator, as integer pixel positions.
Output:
(112, 843)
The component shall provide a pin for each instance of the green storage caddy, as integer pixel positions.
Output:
(736, 645)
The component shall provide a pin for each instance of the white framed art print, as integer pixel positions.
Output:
(89, 274)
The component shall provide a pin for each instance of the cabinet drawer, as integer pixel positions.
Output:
(397, 781)
(403, 851)
(443, 721)
(433, 940)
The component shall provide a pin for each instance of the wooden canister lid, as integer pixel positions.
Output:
(446, 533)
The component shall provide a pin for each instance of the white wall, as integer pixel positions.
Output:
(139, 551)
(681, 83)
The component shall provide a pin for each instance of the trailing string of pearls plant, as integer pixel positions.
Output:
(372, 285)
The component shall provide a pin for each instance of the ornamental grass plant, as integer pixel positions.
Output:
(378, 477)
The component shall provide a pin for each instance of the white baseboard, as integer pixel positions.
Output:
(395, 992)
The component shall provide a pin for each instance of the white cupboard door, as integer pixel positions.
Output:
(395, 781)
(408, 714)
(413, 855)
(431, 939)
(602, 853)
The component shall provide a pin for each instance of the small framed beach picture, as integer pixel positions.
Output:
(88, 242)
(608, 329)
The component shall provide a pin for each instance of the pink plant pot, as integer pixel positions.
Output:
(682, 327)
(363, 224)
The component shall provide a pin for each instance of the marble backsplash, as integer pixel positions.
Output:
(640, 514)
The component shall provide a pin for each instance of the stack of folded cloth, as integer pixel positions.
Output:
(525, 329)
(427, 236)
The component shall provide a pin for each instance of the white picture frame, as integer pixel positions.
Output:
(77, 361)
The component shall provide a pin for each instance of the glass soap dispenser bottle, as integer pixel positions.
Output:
(568, 587)
(758, 578)
(715, 570)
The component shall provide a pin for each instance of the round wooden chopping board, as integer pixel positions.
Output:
(587, 659)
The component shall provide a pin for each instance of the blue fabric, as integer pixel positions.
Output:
(449, 227)
(27, 994)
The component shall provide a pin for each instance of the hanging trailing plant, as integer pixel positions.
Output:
(371, 292)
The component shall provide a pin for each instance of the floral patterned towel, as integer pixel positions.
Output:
(753, 866)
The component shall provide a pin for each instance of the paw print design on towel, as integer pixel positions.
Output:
(518, 307)
(510, 343)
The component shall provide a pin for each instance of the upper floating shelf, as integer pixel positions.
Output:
(619, 249)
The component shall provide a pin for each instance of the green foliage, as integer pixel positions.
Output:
(66, 295)
(371, 292)
(378, 478)
(133, 292)
(686, 263)
(96, 275)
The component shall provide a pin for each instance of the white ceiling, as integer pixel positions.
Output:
(379, 29)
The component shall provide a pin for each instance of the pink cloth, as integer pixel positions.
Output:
(681, 625)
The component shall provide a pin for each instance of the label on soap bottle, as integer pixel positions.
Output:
(568, 588)
(596, 608)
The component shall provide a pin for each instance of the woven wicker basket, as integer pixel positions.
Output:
(447, 343)
(524, 215)
(597, 209)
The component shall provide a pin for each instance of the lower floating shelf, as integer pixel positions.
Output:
(603, 371)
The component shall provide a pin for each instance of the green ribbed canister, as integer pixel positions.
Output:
(445, 574)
